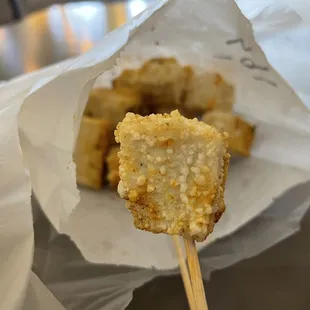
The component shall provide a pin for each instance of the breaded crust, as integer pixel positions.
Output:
(173, 173)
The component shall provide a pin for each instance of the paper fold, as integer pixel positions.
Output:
(16, 241)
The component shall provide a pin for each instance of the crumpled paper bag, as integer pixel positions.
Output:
(209, 34)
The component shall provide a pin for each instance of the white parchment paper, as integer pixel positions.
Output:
(39, 297)
(281, 28)
(209, 34)
(81, 285)
(16, 232)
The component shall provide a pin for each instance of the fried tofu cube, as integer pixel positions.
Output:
(209, 91)
(241, 133)
(113, 167)
(112, 104)
(173, 173)
(90, 150)
(127, 79)
(161, 81)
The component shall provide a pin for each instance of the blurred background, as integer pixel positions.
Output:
(37, 33)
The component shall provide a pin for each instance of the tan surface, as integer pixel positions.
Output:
(112, 166)
(241, 133)
(91, 148)
(112, 104)
(209, 91)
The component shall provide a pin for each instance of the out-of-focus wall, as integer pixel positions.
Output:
(6, 14)
(28, 6)
(33, 5)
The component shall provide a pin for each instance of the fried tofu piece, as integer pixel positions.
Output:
(241, 133)
(161, 81)
(209, 91)
(173, 173)
(127, 79)
(113, 167)
(112, 104)
(90, 150)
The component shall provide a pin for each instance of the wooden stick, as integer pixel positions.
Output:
(185, 274)
(195, 274)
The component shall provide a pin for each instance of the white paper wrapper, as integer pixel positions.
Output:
(283, 26)
(110, 287)
(209, 34)
(16, 232)
(39, 297)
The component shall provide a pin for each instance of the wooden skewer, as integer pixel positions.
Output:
(185, 274)
(195, 274)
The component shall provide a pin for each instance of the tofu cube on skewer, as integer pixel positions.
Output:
(173, 173)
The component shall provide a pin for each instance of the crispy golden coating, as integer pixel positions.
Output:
(165, 110)
(112, 104)
(113, 166)
(241, 133)
(209, 91)
(161, 81)
(90, 150)
(173, 173)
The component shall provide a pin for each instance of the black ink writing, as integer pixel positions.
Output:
(249, 63)
(241, 41)
(262, 79)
